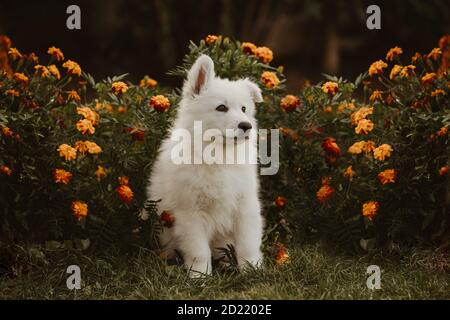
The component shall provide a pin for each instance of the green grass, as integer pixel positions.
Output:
(313, 273)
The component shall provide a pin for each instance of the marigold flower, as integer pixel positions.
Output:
(349, 173)
(54, 71)
(369, 209)
(125, 193)
(73, 95)
(33, 58)
(21, 78)
(248, 47)
(280, 202)
(282, 255)
(330, 146)
(264, 54)
(79, 209)
(364, 126)
(123, 180)
(148, 82)
(270, 79)
(42, 70)
(368, 146)
(210, 39)
(328, 109)
(360, 114)
(100, 173)
(14, 53)
(324, 193)
(290, 102)
(416, 57)
(376, 95)
(5, 170)
(121, 109)
(92, 147)
(357, 147)
(330, 87)
(81, 147)
(160, 103)
(103, 106)
(434, 54)
(62, 176)
(7, 132)
(407, 70)
(72, 67)
(442, 131)
(437, 92)
(395, 71)
(393, 52)
(444, 170)
(85, 126)
(56, 53)
(119, 88)
(12, 93)
(89, 114)
(382, 152)
(387, 176)
(377, 67)
(67, 152)
(429, 77)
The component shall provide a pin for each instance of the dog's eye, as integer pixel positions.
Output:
(222, 108)
(243, 109)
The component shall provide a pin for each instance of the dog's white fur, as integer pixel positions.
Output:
(213, 204)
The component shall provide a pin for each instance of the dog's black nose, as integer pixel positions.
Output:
(245, 126)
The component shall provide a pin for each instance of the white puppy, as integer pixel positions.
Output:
(213, 204)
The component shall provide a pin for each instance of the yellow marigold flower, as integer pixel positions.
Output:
(12, 92)
(56, 53)
(100, 173)
(264, 54)
(81, 147)
(21, 78)
(369, 209)
(330, 87)
(429, 77)
(92, 147)
(360, 114)
(407, 70)
(79, 209)
(89, 114)
(377, 67)
(442, 132)
(368, 147)
(387, 176)
(282, 256)
(210, 39)
(14, 53)
(7, 132)
(73, 95)
(434, 54)
(72, 67)
(54, 71)
(416, 57)
(395, 71)
(123, 180)
(376, 95)
(382, 152)
(270, 79)
(148, 82)
(248, 47)
(5, 170)
(121, 109)
(349, 173)
(160, 103)
(443, 171)
(85, 126)
(357, 147)
(119, 88)
(290, 102)
(125, 193)
(393, 52)
(437, 92)
(103, 106)
(364, 126)
(67, 152)
(341, 108)
(62, 176)
(324, 193)
(42, 70)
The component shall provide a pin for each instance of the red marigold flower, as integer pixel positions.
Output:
(125, 193)
(330, 146)
(280, 202)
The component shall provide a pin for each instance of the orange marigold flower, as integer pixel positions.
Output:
(382, 152)
(360, 114)
(407, 70)
(324, 193)
(14, 53)
(442, 131)
(85, 126)
(393, 52)
(210, 39)
(62, 176)
(395, 71)
(42, 70)
(7, 132)
(12, 93)
(160, 103)
(121, 109)
(123, 180)
(167, 219)
(100, 173)
(89, 114)
(67, 152)
(92, 147)
(125, 193)
(148, 82)
(290, 102)
(21, 78)
(330, 87)
(264, 54)
(370, 209)
(248, 48)
(328, 109)
(444, 170)
(5, 170)
(387, 176)
(54, 71)
(429, 77)
(368, 146)
(416, 57)
(376, 95)
(434, 54)
(280, 202)
(270, 79)
(357, 147)
(377, 67)
(81, 147)
(72, 67)
(437, 92)
(349, 173)
(364, 126)
(56, 53)
(282, 255)
(330, 146)
(73, 95)
(33, 57)
(79, 209)
(119, 88)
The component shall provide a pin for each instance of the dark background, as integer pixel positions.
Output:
(150, 37)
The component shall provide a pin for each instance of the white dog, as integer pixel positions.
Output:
(213, 204)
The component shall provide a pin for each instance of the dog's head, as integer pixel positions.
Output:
(220, 103)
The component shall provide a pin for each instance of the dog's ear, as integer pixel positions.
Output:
(199, 76)
(255, 91)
